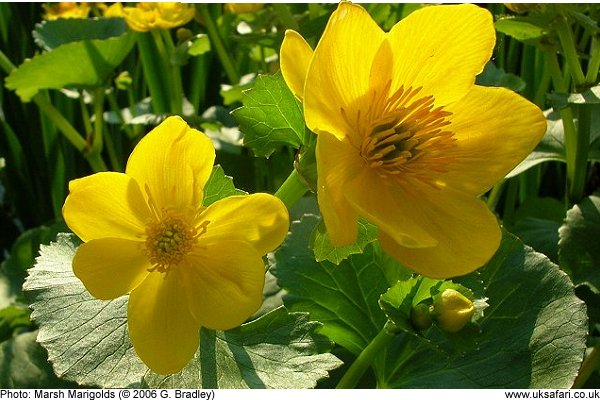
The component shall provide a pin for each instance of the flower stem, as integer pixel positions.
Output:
(568, 46)
(364, 360)
(594, 64)
(219, 45)
(153, 73)
(590, 364)
(291, 190)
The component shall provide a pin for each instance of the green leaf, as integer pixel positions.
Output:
(87, 63)
(87, 339)
(519, 28)
(52, 34)
(278, 350)
(271, 116)
(22, 256)
(11, 319)
(537, 223)
(590, 96)
(532, 335)
(219, 186)
(199, 45)
(494, 76)
(344, 298)
(579, 248)
(24, 364)
(324, 250)
(550, 148)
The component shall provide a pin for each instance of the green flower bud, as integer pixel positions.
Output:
(123, 80)
(420, 317)
(520, 8)
(183, 35)
(452, 310)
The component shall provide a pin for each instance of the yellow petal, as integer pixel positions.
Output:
(224, 283)
(162, 330)
(174, 162)
(337, 162)
(259, 219)
(442, 49)
(295, 57)
(390, 207)
(339, 73)
(495, 130)
(109, 267)
(106, 204)
(467, 232)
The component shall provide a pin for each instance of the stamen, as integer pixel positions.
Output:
(405, 133)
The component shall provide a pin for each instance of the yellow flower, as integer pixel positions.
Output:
(241, 8)
(147, 16)
(405, 138)
(66, 10)
(146, 233)
(115, 10)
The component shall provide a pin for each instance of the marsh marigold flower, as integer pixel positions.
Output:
(148, 16)
(185, 266)
(405, 139)
(66, 10)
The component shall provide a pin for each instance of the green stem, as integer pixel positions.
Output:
(594, 64)
(153, 72)
(568, 46)
(219, 45)
(492, 199)
(285, 16)
(5, 63)
(364, 360)
(590, 364)
(114, 106)
(96, 139)
(578, 175)
(291, 190)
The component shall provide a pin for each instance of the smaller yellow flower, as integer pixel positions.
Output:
(66, 10)
(115, 10)
(148, 16)
(243, 8)
(452, 310)
(184, 265)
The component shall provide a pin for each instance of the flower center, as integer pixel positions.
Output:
(169, 240)
(404, 128)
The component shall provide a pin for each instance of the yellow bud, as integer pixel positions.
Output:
(123, 80)
(452, 310)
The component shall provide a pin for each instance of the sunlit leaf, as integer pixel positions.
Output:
(51, 34)
(579, 247)
(87, 63)
(324, 250)
(519, 28)
(271, 116)
(219, 186)
(278, 350)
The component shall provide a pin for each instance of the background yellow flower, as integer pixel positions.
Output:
(405, 138)
(66, 10)
(185, 266)
(147, 16)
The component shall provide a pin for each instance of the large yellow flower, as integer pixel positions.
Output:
(147, 16)
(405, 138)
(146, 233)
